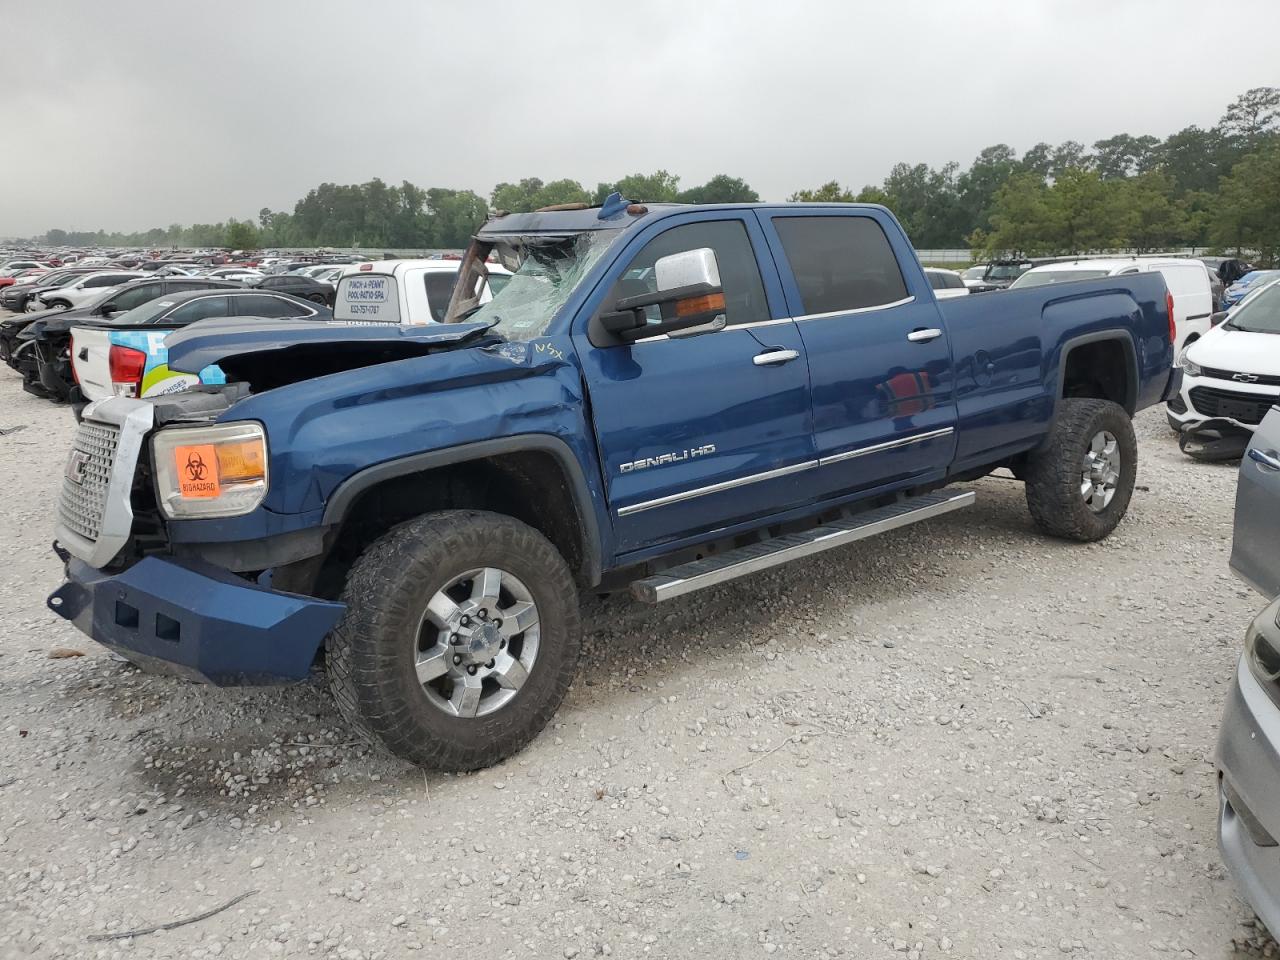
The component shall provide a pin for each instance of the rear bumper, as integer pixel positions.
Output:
(196, 621)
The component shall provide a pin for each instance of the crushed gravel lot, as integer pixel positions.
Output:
(957, 740)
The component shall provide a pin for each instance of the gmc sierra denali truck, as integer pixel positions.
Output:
(660, 398)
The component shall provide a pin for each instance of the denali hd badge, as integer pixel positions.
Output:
(666, 458)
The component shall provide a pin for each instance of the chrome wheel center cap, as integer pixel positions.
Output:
(483, 644)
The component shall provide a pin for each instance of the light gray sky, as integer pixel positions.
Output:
(143, 114)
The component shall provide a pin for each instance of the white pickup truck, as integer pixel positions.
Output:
(409, 292)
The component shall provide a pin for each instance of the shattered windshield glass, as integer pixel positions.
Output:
(545, 271)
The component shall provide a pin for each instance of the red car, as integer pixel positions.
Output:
(6, 281)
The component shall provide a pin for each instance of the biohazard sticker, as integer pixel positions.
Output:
(197, 471)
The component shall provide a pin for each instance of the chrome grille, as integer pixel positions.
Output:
(88, 476)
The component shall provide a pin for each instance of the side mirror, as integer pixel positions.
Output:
(108, 310)
(1217, 318)
(689, 296)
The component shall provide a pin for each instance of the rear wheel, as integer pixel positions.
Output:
(460, 639)
(1080, 481)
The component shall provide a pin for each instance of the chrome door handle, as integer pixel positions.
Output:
(1267, 459)
(924, 335)
(770, 357)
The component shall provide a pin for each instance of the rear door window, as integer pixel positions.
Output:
(136, 296)
(439, 290)
(262, 305)
(195, 310)
(840, 263)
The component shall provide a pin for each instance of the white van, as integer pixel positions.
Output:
(408, 292)
(1187, 281)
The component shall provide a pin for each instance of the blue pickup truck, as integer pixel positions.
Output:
(662, 398)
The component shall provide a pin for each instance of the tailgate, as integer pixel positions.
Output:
(91, 357)
(1255, 547)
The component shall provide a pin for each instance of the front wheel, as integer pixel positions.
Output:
(460, 639)
(1080, 481)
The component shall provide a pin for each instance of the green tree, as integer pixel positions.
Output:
(56, 238)
(1084, 214)
(1248, 209)
(721, 188)
(241, 235)
(1252, 115)
(454, 216)
(1038, 160)
(1193, 157)
(978, 185)
(1069, 155)
(657, 187)
(515, 197)
(559, 192)
(829, 192)
(1021, 223)
(1149, 217)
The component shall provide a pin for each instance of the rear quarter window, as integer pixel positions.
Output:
(840, 263)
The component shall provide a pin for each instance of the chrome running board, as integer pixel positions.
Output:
(709, 571)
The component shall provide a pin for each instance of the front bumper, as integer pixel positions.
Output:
(1184, 410)
(1248, 760)
(197, 621)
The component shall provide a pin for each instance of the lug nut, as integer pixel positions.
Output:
(472, 669)
(466, 621)
(457, 659)
(497, 621)
(489, 665)
(455, 639)
(484, 614)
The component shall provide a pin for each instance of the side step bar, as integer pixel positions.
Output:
(709, 571)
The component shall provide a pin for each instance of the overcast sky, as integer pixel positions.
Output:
(137, 115)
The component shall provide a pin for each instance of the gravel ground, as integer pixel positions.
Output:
(957, 740)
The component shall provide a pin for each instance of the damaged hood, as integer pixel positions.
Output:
(233, 341)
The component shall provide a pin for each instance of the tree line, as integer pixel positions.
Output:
(1205, 187)
(1217, 187)
(375, 214)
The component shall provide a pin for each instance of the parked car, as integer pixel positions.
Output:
(1242, 287)
(86, 289)
(1248, 751)
(1232, 374)
(972, 276)
(29, 275)
(10, 267)
(742, 384)
(125, 355)
(404, 291)
(998, 274)
(298, 286)
(945, 283)
(16, 297)
(1189, 291)
(46, 341)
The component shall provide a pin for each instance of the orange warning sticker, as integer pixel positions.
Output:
(197, 471)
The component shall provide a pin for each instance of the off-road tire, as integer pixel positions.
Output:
(1053, 471)
(369, 654)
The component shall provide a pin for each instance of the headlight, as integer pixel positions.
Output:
(215, 471)
(1188, 367)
